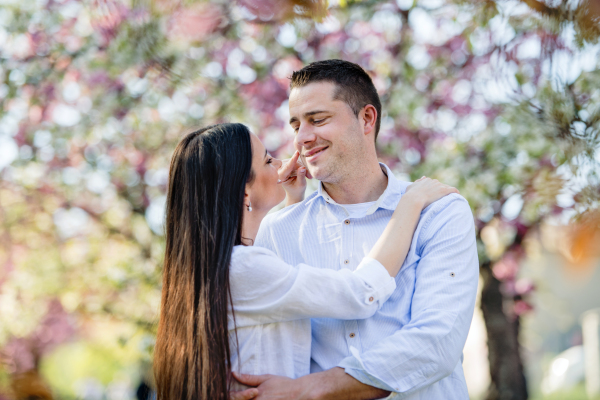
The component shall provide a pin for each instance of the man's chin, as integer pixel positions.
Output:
(317, 173)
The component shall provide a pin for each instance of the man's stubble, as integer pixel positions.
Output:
(347, 162)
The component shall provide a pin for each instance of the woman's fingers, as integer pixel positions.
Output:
(296, 176)
(432, 186)
(289, 168)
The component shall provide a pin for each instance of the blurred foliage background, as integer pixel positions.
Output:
(498, 98)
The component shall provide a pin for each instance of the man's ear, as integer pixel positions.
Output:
(368, 119)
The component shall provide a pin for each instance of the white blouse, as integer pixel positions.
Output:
(274, 301)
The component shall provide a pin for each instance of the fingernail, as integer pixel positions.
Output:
(278, 181)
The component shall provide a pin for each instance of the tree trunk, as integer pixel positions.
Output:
(506, 367)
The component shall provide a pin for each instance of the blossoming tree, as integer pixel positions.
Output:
(498, 98)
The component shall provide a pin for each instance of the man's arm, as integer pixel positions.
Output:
(429, 347)
(333, 384)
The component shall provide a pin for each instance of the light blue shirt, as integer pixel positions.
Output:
(413, 345)
(272, 303)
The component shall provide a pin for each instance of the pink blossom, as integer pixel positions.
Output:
(107, 18)
(264, 9)
(524, 286)
(506, 268)
(521, 307)
(194, 23)
(508, 288)
(22, 354)
(265, 96)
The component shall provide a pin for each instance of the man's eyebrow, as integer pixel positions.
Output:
(307, 114)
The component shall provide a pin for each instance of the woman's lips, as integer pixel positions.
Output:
(312, 157)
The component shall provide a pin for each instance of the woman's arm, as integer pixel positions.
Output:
(265, 289)
(393, 244)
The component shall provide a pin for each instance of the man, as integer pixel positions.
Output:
(412, 348)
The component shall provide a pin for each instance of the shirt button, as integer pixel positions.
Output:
(371, 298)
(352, 335)
(452, 274)
(346, 261)
(347, 222)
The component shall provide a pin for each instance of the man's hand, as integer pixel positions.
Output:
(274, 387)
(247, 394)
(333, 384)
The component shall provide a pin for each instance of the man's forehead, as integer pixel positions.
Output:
(317, 93)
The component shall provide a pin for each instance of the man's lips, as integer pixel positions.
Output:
(315, 151)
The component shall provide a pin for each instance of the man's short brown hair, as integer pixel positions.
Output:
(353, 85)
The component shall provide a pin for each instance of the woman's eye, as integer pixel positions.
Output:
(269, 161)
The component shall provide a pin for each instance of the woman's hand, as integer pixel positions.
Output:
(426, 190)
(292, 175)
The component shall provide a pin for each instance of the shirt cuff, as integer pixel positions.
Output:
(353, 367)
(377, 277)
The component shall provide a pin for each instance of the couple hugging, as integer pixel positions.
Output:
(363, 290)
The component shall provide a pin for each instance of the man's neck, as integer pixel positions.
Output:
(368, 184)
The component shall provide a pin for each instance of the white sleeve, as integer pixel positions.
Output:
(265, 289)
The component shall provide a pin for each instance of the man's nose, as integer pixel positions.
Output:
(304, 136)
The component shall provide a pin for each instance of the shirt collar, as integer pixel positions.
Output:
(388, 199)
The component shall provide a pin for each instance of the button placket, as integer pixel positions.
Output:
(347, 240)
(352, 333)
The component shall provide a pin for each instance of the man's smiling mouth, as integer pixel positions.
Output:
(314, 152)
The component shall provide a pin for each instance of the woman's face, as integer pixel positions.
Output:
(264, 191)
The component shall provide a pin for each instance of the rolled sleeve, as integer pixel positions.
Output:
(378, 278)
(354, 367)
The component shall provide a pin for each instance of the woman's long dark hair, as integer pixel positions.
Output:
(207, 178)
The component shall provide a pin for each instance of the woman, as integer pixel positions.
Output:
(224, 300)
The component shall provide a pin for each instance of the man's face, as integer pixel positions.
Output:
(328, 134)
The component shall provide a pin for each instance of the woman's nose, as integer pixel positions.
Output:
(277, 162)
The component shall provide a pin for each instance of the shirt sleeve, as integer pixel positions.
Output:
(430, 346)
(265, 289)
